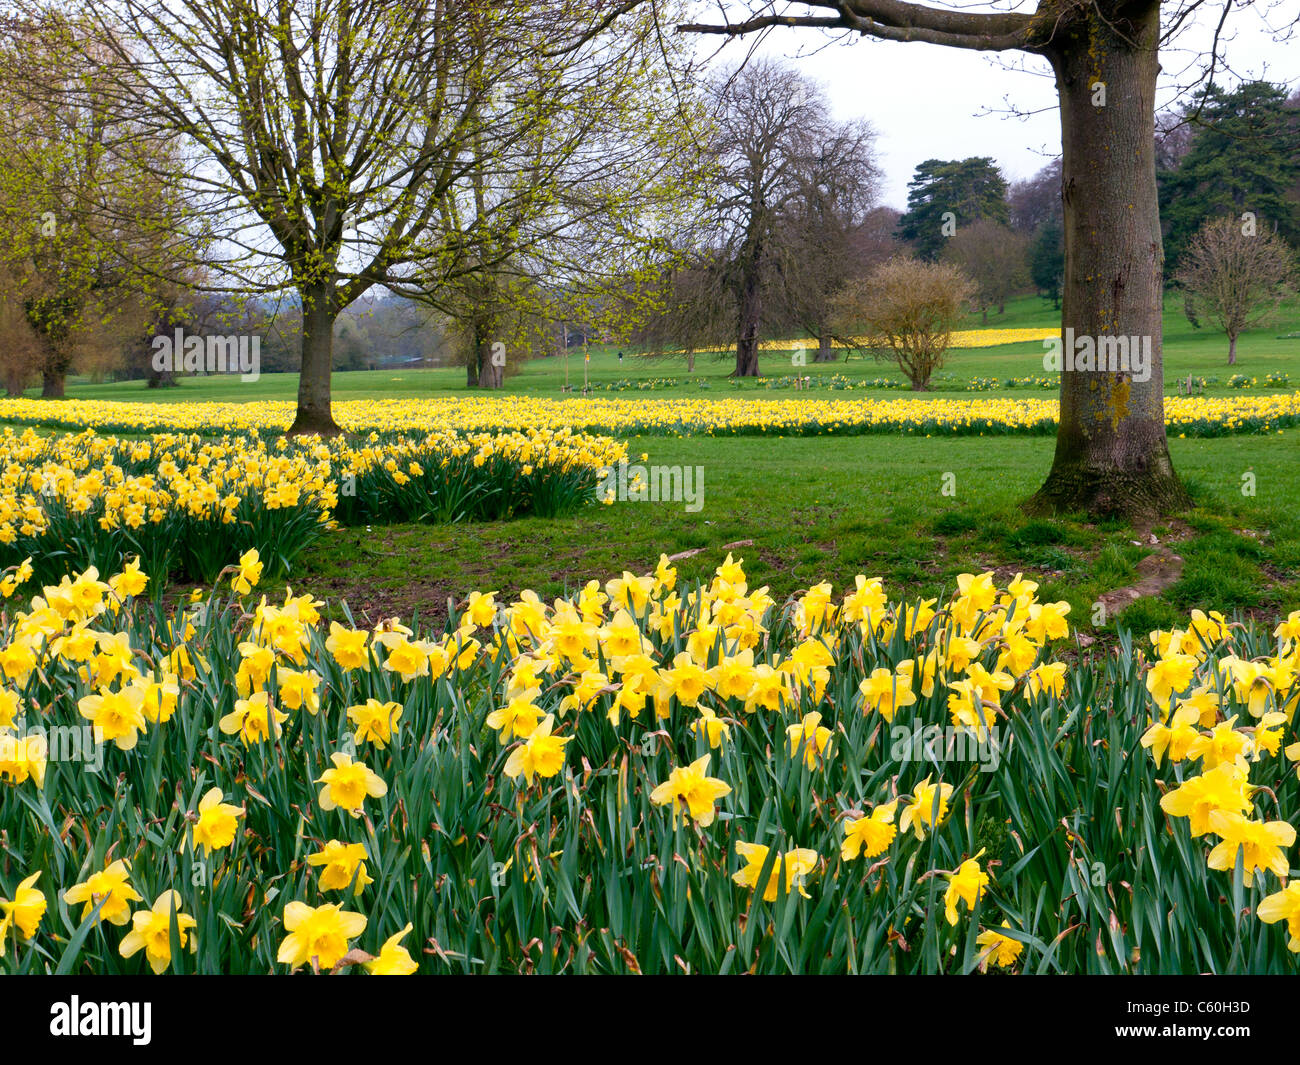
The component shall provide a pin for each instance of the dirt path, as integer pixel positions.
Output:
(1156, 572)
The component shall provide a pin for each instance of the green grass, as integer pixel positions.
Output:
(1201, 352)
(831, 508)
(855, 505)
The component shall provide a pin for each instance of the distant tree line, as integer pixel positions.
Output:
(793, 243)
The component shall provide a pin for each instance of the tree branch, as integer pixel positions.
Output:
(898, 20)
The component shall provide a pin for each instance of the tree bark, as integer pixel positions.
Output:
(483, 329)
(825, 353)
(53, 381)
(751, 310)
(489, 374)
(750, 301)
(1232, 349)
(1112, 456)
(315, 415)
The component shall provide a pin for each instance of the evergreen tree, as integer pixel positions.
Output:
(1047, 261)
(944, 195)
(1244, 159)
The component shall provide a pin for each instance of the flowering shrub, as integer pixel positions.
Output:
(642, 777)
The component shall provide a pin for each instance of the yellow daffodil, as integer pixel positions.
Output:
(317, 935)
(691, 791)
(151, 931)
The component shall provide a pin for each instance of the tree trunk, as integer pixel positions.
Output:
(315, 416)
(1112, 456)
(53, 380)
(1232, 349)
(483, 329)
(825, 353)
(489, 374)
(747, 356)
(751, 309)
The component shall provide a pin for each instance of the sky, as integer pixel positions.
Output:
(931, 102)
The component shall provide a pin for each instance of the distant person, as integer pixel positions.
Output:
(620, 358)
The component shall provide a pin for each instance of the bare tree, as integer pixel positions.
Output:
(1238, 277)
(788, 194)
(905, 311)
(696, 310)
(818, 240)
(1173, 139)
(995, 257)
(769, 121)
(1112, 454)
(1036, 200)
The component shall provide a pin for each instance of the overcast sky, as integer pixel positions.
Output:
(931, 102)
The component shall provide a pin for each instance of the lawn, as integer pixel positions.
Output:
(870, 505)
(1199, 352)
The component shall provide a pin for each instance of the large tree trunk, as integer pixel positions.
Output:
(314, 412)
(1112, 456)
(747, 355)
(750, 307)
(825, 353)
(160, 378)
(489, 374)
(53, 380)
